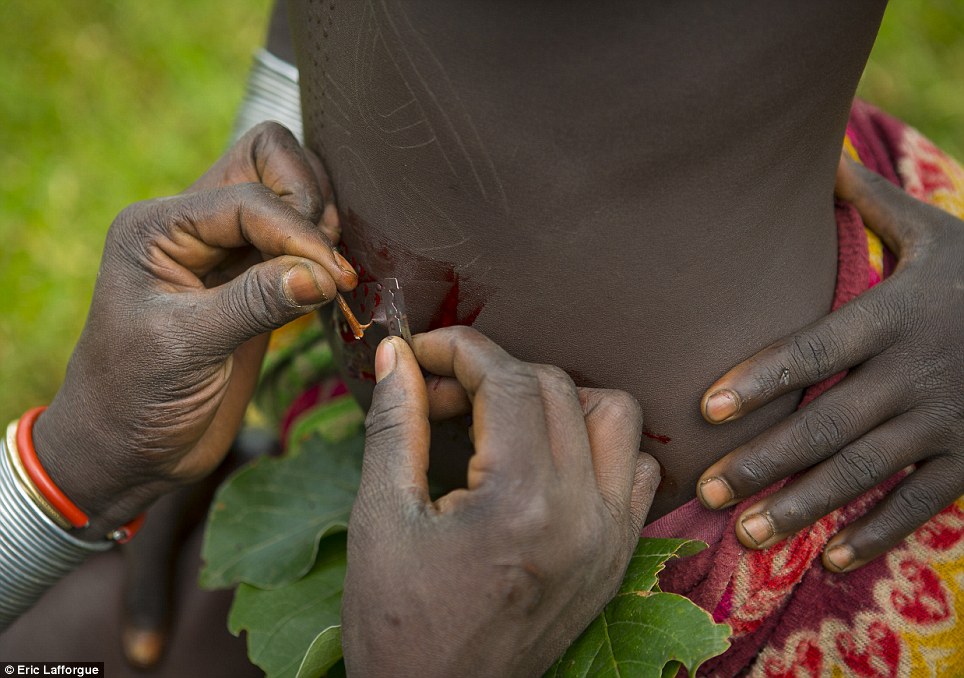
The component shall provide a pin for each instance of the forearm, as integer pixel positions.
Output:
(272, 91)
(272, 94)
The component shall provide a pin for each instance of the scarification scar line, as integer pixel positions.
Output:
(468, 119)
(398, 108)
(375, 36)
(334, 102)
(431, 93)
(433, 205)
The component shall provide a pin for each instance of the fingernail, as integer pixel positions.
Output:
(143, 648)
(841, 557)
(722, 405)
(300, 286)
(714, 493)
(343, 263)
(384, 359)
(758, 527)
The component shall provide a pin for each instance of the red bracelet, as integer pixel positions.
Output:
(51, 492)
(31, 463)
(126, 532)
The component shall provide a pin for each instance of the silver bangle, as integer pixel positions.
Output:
(34, 552)
(272, 94)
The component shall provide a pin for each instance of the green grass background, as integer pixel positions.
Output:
(105, 103)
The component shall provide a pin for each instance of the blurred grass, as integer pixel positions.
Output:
(101, 104)
(105, 103)
(916, 71)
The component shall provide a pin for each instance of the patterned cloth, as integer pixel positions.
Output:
(899, 615)
(896, 616)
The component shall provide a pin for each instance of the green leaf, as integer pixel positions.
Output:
(267, 519)
(643, 632)
(649, 559)
(323, 653)
(294, 631)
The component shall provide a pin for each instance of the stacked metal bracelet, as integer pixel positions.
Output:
(35, 550)
(272, 94)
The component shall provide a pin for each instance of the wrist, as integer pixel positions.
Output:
(79, 456)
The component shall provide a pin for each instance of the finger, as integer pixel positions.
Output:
(232, 217)
(263, 298)
(857, 468)
(566, 426)
(511, 439)
(851, 335)
(397, 431)
(446, 398)
(614, 422)
(917, 499)
(887, 209)
(859, 403)
(149, 582)
(270, 154)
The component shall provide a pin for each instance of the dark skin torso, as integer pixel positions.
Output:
(641, 196)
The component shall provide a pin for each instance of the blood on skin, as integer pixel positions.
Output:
(657, 437)
(448, 311)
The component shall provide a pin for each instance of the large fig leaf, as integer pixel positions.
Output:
(323, 653)
(266, 520)
(644, 632)
(294, 631)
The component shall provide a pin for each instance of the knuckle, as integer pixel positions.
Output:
(860, 466)
(913, 504)
(752, 472)
(134, 221)
(797, 509)
(516, 381)
(132, 214)
(273, 130)
(891, 315)
(251, 193)
(821, 431)
(311, 206)
(620, 406)
(463, 334)
(465, 339)
(770, 381)
(813, 355)
(257, 307)
(553, 374)
(555, 380)
(928, 373)
(530, 516)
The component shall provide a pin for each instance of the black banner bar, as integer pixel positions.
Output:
(51, 669)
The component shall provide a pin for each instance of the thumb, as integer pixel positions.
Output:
(397, 429)
(263, 298)
(882, 204)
